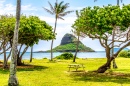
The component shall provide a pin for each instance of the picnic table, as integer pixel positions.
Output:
(76, 66)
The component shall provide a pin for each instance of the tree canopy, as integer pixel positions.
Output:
(100, 22)
(31, 29)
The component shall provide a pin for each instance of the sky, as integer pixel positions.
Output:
(35, 7)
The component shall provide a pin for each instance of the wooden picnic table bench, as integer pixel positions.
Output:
(76, 66)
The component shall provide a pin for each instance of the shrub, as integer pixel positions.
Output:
(124, 53)
(66, 55)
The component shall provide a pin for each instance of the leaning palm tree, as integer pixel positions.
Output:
(59, 10)
(12, 77)
(77, 44)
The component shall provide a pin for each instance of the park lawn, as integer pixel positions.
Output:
(45, 73)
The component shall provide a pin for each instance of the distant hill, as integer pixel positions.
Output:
(68, 44)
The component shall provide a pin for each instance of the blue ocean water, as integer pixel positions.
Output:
(97, 54)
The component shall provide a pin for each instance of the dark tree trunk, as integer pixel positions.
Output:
(114, 64)
(77, 45)
(19, 62)
(5, 60)
(19, 58)
(107, 65)
(104, 67)
(31, 54)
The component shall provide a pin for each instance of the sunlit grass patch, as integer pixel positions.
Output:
(45, 73)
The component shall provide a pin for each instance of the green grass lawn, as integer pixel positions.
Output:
(45, 73)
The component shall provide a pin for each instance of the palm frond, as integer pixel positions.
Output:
(95, 0)
(77, 13)
(60, 4)
(48, 10)
(52, 9)
(60, 18)
(64, 7)
(121, 1)
(65, 13)
(56, 6)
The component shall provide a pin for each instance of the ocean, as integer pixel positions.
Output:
(97, 54)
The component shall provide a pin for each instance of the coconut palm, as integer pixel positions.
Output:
(12, 77)
(59, 10)
(78, 34)
(118, 2)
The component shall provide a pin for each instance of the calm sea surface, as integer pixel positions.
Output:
(97, 54)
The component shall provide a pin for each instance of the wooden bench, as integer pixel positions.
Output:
(76, 66)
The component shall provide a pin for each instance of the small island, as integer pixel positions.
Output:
(68, 44)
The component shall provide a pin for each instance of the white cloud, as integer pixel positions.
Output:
(28, 8)
(10, 8)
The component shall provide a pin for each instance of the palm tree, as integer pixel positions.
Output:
(78, 34)
(59, 10)
(13, 81)
(118, 2)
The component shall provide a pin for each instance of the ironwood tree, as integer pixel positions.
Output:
(32, 29)
(99, 23)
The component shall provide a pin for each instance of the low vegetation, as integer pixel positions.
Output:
(44, 73)
(125, 54)
(66, 55)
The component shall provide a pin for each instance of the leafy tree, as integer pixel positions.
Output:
(32, 29)
(59, 10)
(5, 28)
(99, 22)
(12, 77)
(124, 53)
(112, 50)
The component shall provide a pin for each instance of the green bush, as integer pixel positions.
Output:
(66, 55)
(124, 53)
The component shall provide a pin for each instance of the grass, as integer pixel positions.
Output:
(45, 73)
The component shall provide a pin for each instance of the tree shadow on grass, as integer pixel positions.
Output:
(119, 78)
(25, 67)
(31, 68)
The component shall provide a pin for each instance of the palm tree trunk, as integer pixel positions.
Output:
(53, 40)
(77, 45)
(13, 81)
(31, 54)
(118, 2)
